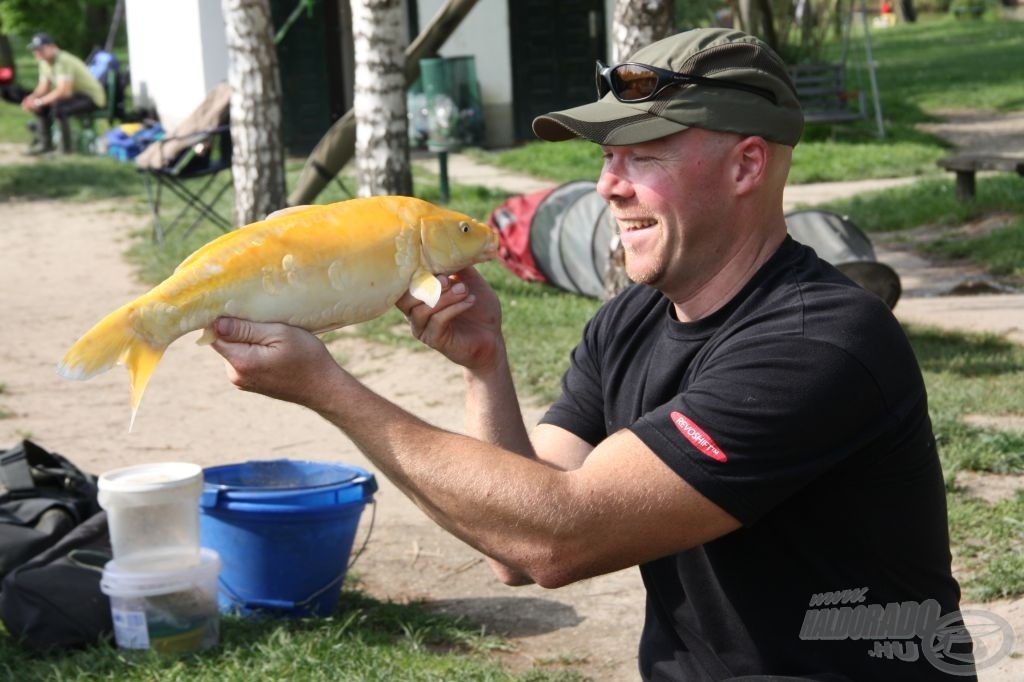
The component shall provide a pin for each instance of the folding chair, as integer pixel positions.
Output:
(194, 154)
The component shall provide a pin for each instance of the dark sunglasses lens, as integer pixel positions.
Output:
(633, 82)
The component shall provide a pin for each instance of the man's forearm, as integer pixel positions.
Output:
(493, 413)
(471, 488)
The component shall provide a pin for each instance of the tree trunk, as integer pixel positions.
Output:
(634, 25)
(382, 142)
(638, 24)
(337, 146)
(257, 159)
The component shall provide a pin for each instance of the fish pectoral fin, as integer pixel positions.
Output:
(208, 337)
(425, 287)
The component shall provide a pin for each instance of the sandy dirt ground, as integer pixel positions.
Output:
(63, 269)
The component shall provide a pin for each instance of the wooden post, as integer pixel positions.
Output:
(965, 187)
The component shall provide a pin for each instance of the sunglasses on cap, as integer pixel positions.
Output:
(632, 82)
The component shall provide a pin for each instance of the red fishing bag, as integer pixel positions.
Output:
(512, 219)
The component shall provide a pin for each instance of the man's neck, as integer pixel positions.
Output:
(730, 279)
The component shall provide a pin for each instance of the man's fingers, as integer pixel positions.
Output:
(234, 330)
(408, 302)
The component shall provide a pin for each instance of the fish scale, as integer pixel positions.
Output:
(316, 267)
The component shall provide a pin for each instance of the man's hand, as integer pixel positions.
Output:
(465, 325)
(277, 360)
(29, 103)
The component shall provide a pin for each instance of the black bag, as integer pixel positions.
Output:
(42, 497)
(54, 601)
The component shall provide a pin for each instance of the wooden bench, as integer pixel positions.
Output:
(966, 165)
(824, 95)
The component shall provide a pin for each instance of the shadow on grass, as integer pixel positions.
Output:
(966, 355)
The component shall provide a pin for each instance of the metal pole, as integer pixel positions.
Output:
(871, 71)
(442, 163)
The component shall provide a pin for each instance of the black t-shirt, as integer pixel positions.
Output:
(798, 408)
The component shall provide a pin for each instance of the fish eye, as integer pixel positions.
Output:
(464, 226)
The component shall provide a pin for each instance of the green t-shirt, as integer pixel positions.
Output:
(67, 66)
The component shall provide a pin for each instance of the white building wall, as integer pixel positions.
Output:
(484, 35)
(178, 53)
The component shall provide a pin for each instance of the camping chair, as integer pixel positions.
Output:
(194, 154)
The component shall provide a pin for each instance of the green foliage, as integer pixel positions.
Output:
(968, 9)
(76, 25)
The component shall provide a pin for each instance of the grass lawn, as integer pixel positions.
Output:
(366, 640)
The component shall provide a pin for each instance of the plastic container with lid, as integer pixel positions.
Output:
(153, 515)
(169, 612)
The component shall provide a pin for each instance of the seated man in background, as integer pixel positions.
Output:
(65, 88)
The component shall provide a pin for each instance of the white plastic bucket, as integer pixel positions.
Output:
(170, 612)
(153, 515)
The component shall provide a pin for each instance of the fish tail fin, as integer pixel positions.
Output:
(141, 359)
(113, 341)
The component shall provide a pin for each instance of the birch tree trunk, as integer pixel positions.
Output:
(257, 158)
(635, 24)
(639, 23)
(382, 142)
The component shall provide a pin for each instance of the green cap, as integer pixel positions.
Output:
(715, 53)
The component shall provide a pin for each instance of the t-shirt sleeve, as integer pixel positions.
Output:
(761, 420)
(45, 72)
(580, 407)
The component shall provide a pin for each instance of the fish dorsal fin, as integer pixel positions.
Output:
(425, 287)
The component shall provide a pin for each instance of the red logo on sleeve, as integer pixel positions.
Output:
(696, 435)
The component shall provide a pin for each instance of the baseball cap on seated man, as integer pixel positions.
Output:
(715, 78)
(40, 39)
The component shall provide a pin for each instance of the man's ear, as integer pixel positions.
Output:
(751, 163)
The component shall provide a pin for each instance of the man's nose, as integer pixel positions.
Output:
(611, 185)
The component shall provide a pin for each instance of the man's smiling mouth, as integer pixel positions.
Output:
(634, 224)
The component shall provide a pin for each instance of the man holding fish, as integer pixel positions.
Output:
(746, 425)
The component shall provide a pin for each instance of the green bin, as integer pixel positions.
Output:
(453, 102)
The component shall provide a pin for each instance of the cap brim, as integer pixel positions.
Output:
(606, 121)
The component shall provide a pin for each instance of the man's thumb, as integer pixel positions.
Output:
(233, 330)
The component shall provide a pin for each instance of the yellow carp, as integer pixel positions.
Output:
(316, 267)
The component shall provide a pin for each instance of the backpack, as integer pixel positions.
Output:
(54, 601)
(54, 543)
(42, 497)
(100, 63)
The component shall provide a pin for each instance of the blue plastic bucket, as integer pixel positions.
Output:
(284, 530)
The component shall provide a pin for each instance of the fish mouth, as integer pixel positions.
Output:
(491, 248)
